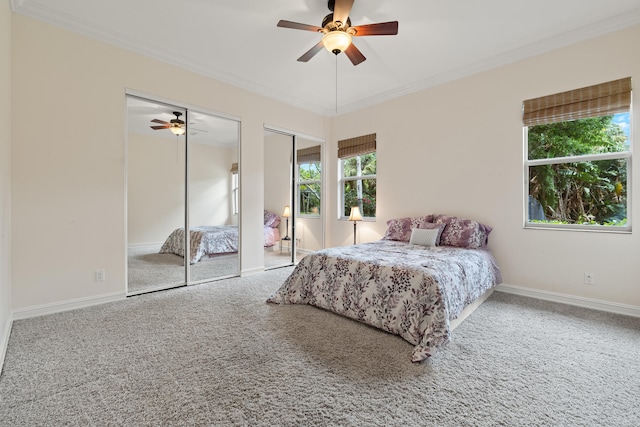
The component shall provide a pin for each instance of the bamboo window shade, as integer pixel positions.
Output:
(234, 168)
(357, 146)
(599, 100)
(308, 155)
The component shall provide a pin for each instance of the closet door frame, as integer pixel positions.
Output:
(294, 182)
(187, 108)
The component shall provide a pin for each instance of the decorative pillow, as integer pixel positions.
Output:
(270, 219)
(400, 228)
(433, 226)
(424, 236)
(462, 233)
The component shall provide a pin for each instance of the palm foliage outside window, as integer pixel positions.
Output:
(578, 158)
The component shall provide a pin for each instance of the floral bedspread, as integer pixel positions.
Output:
(205, 240)
(408, 290)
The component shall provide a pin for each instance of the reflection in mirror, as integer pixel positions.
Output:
(213, 196)
(278, 149)
(156, 195)
(294, 192)
(309, 223)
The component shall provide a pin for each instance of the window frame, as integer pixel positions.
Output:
(620, 155)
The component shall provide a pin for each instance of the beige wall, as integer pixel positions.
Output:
(68, 186)
(277, 174)
(5, 177)
(458, 149)
(462, 140)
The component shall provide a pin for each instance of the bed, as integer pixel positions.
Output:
(214, 240)
(411, 287)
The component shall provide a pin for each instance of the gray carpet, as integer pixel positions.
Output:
(217, 354)
(149, 270)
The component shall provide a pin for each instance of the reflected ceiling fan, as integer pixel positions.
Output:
(174, 125)
(338, 32)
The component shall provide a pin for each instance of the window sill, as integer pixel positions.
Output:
(588, 228)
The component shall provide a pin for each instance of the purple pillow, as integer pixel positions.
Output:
(462, 233)
(270, 219)
(433, 226)
(399, 229)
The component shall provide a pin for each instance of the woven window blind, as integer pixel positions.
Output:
(599, 100)
(234, 168)
(309, 155)
(357, 146)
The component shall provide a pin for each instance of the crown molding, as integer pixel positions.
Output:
(54, 17)
(606, 26)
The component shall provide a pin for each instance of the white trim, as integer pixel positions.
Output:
(289, 132)
(611, 307)
(4, 341)
(57, 307)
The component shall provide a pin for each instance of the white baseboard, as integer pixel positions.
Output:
(251, 271)
(612, 307)
(56, 307)
(4, 342)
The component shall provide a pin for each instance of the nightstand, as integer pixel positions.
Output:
(288, 240)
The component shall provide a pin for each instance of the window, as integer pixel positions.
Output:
(309, 181)
(578, 161)
(235, 189)
(357, 166)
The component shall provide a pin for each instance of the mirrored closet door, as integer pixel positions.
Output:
(182, 174)
(213, 196)
(293, 180)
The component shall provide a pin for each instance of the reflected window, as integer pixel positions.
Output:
(235, 189)
(309, 181)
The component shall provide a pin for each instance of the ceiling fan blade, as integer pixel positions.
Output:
(298, 26)
(160, 121)
(380, 29)
(341, 10)
(311, 52)
(160, 127)
(354, 54)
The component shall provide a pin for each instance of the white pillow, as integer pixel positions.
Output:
(424, 237)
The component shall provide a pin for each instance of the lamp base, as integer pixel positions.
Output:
(354, 232)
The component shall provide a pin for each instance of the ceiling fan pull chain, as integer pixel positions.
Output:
(336, 84)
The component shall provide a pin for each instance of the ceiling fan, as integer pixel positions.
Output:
(338, 32)
(174, 125)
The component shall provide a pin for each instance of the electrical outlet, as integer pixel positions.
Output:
(101, 275)
(589, 279)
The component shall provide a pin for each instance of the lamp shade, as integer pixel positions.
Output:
(336, 41)
(287, 212)
(355, 214)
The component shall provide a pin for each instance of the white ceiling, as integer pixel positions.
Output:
(238, 42)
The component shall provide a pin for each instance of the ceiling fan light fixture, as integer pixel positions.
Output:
(177, 130)
(336, 41)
